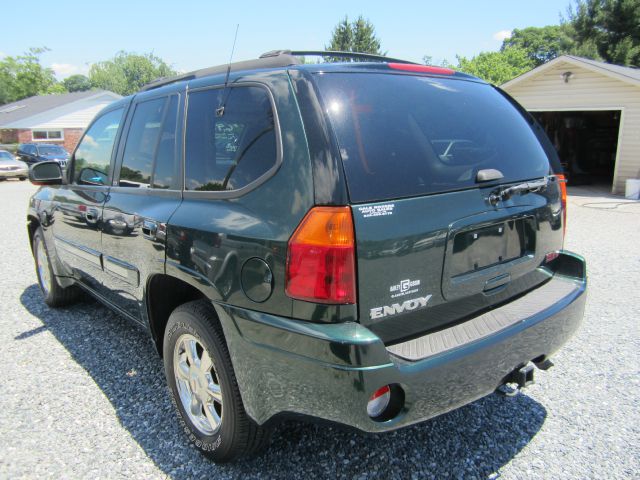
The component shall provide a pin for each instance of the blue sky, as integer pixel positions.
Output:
(189, 34)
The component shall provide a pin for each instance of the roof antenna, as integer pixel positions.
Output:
(225, 94)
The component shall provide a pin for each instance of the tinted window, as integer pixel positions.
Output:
(404, 135)
(166, 170)
(142, 141)
(93, 155)
(229, 151)
(6, 156)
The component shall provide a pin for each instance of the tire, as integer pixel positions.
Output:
(54, 295)
(22, 179)
(194, 328)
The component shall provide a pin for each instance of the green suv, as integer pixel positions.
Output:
(371, 243)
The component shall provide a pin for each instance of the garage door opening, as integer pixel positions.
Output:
(586, 141)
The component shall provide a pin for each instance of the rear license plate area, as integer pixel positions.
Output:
(491, 245)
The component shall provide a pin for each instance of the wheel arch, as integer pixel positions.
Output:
(164, 293)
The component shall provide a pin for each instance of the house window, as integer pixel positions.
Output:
(47, 135)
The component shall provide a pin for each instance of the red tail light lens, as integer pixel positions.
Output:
(563, 197)
(321, 257)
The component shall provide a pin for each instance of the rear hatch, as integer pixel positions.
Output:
(437, 241)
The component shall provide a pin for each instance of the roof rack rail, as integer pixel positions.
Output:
(272, 59)
(335, 54)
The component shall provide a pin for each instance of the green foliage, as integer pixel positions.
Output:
(497, 67)
(541, 43)
(357, 36)
(126, 73)
(23, 76)
(607, 30)
(77, 83)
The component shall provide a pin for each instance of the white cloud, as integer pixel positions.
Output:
(64, 70)
(502, 35)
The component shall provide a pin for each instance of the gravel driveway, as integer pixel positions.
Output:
(82, 392)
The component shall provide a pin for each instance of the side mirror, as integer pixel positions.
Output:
(45, 173)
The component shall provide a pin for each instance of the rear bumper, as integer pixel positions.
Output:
(330, 371)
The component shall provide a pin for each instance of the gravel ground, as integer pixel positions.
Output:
(82, 392)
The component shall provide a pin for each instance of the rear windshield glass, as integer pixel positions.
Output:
(404, 135)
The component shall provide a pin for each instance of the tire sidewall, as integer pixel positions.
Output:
(221, 442)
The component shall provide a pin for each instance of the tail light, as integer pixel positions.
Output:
(321, 257)
(563, 197)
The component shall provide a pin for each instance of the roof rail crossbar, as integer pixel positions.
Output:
(337, 54)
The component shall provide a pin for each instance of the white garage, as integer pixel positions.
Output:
(591, 112)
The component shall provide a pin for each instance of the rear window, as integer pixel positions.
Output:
(404, 135)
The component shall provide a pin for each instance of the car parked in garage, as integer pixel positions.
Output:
(371, 243)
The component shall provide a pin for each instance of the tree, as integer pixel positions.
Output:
(497, 67)
(77, 83)
(23, 76)
(358, 36)
(541, 43)
(127, 73)
(607, 29)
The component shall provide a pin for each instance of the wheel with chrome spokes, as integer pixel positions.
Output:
(197, 383)
(203, 385)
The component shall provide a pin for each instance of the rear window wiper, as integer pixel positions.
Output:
(526, 187)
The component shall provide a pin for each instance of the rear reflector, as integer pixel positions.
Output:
(379, 401)
(563, 197)
(409, 67)
(551, 256)
(321, 257)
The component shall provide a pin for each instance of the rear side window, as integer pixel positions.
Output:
(228, 151)
(142, 141)
(405, 135)
(93, 156)
(165, 174)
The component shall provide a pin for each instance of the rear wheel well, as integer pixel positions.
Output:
(164, 295)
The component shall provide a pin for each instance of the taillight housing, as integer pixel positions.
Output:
(563, 197)
(321, 257)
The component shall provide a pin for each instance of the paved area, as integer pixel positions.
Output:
(82, 392)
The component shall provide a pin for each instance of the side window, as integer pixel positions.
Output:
(166, 172)
(142, 141)
(229, 151)
(93, 155)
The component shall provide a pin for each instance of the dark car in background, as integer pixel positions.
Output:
(42, 152)
(370, 243)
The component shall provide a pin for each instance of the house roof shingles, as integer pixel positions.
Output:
(28, 107)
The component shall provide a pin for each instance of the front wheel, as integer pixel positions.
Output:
(203, 385)
(54, 295)
(22, 179)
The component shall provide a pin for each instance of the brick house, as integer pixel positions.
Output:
(58, 119)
